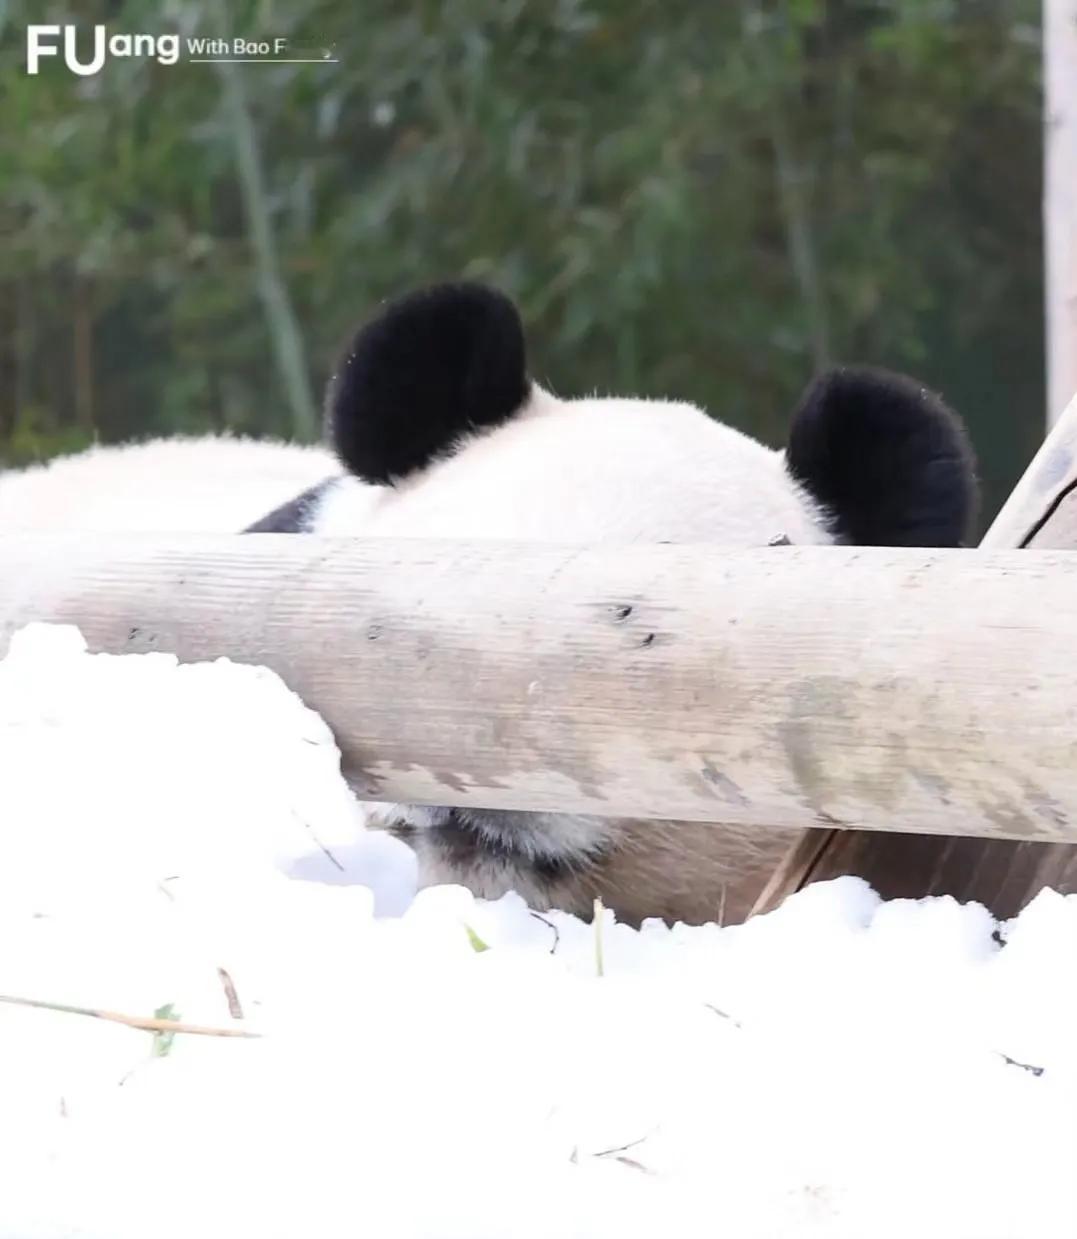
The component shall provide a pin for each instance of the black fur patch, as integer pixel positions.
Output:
(293, 516)
(431, 366)
(464, 845)
(886, 457)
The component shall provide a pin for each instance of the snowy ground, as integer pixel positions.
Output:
(179, 840)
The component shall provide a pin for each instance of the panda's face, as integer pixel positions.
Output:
(443, 434)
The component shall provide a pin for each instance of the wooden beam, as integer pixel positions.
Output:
(1030, 515)
(1040, 513)
(1060, 200)
(896, 690)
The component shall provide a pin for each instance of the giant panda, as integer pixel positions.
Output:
(441, 432)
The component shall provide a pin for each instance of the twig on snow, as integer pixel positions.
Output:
(146, 1024)
(556, 931)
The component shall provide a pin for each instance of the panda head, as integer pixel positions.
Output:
(433, 414)
(443, 434)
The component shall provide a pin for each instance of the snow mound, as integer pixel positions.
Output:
(178, 839)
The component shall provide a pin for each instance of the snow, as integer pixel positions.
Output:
(840, 1068)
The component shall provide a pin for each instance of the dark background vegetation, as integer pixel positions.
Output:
(706, 200)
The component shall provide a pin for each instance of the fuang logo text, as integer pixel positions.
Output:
(46, 41)
(43, 41)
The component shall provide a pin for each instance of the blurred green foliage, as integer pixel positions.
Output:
(701, 199)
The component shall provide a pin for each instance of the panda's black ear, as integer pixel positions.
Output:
(887, 459)
(431, 366)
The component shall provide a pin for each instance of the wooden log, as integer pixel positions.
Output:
(1060, 200)
(1038, 512)
(897, 690)
(1041, 513)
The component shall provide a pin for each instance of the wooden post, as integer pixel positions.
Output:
(896, 690)
(83, 357)
(1060, 200)
(1041, 513)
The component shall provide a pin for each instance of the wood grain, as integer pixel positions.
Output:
(895, 690)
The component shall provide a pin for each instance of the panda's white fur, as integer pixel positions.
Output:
(182, 485)
(588, 471)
